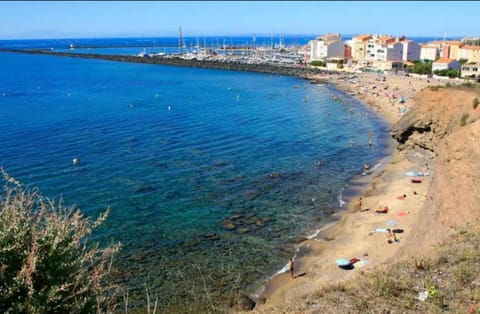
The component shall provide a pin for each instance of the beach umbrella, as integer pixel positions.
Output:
(342, 262)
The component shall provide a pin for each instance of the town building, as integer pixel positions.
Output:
(359, 46)
(383, 48)
(445, 64)
(429, 52)
(471, 70)
(411, 50)
(327, 46)
(470, 53)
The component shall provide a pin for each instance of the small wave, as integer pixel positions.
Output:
(341, 202)
(377, 165)
(316, 232)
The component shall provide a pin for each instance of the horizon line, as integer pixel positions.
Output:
(223, 35)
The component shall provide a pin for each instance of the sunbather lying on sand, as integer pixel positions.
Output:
(382, 210)
(402, 197)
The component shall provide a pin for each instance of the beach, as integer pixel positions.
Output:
(360, 233)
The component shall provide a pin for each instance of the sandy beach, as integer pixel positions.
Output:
(360, 233)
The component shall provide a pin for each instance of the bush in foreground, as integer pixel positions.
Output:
(47, 261)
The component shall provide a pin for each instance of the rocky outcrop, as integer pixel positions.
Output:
(445, 122)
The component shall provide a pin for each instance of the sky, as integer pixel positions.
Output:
(89, 19)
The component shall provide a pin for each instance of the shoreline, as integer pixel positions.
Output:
(351, 235)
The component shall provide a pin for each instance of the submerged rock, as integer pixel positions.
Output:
(228, 225)
(243, 230)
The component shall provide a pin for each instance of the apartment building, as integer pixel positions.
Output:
(383, 48)
(411, 50)
(327, 46)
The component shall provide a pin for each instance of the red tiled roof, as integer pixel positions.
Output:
(444, 60)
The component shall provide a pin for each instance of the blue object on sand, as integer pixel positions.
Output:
(380, 230)
(414, 174)
(342, 262)
(391, 223)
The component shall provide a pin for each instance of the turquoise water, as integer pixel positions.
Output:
(212, 176)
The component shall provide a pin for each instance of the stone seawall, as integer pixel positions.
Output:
(298, 71)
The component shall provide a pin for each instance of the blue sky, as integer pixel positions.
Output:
(74, 19)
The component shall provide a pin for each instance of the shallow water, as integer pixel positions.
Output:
(211, 176)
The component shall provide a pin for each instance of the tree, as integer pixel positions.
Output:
(47, 263)
(423, 67)
(318, 63)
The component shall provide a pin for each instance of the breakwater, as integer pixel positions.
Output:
(300, 71)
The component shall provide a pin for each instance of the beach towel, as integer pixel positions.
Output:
(414, 174)
(391, 223)
(361, 263)
(416, 181)
(400, 214)
(380, 230)
(342, 262)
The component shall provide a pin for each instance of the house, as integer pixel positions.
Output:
(429, 52)
(411, 50)
(384, 48)
(359, 46)
(327, 46)
(471, 70)
(445, 64)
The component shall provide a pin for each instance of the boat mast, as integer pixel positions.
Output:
(180, 40)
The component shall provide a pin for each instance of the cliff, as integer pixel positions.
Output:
(445, 122)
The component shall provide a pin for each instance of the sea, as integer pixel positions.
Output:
(212, 177)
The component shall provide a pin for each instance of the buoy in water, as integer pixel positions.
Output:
(169, 108)
(75, 161)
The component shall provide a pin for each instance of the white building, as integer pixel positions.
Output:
(471, 70)
(411, 50)
(429, 52)
(327, 46)
(383, 48)
(445, 64)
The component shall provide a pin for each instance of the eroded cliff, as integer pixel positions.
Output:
(445, 122)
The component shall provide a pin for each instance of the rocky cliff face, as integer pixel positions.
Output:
(445, 121)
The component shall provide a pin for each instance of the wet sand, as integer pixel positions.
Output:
(354, 236)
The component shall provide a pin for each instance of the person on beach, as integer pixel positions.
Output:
(391, 237)
(382, 210)
(367, 167)
(291, 268)
(425, 170)
(370, 137)
(360, 204)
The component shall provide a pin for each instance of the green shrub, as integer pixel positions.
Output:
(464, 118)
(47, 263)
(318, 63)
(475, 103)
